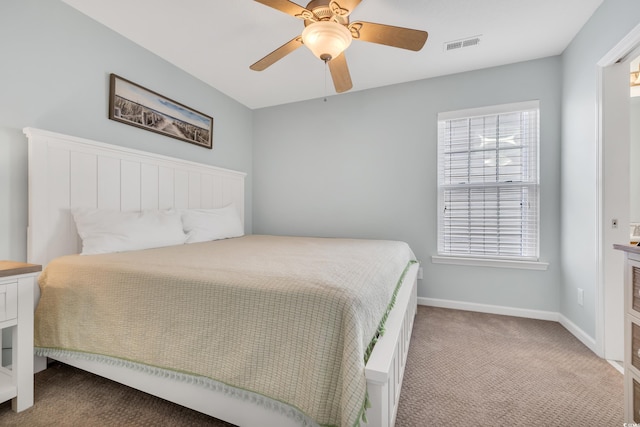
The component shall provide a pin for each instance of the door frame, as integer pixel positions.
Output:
(618, 53)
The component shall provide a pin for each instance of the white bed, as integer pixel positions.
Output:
(67, 172)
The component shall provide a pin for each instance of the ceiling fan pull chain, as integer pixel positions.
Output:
(325, 79)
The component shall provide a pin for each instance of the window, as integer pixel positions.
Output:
(488, 182)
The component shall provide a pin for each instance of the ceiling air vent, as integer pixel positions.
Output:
(458, 44)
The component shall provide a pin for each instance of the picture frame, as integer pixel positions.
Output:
(137, 106)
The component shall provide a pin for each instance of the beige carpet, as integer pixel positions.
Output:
(474, 369)
(464, 368)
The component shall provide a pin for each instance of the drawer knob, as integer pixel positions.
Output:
(638, 352)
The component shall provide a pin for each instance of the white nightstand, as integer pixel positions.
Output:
(17, 281)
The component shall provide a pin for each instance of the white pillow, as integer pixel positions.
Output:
(202, 225)
(104, 231)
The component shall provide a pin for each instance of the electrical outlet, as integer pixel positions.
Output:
(580, 297)
(420, 273)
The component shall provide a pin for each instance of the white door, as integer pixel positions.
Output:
(616, 204)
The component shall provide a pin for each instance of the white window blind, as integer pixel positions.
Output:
(488, 182)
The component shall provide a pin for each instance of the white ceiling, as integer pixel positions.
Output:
(217, 40)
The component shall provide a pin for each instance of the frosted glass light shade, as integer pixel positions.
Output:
(326, 39)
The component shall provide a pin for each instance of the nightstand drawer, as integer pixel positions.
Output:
(635, 283)
(8, 301)
(635, 345)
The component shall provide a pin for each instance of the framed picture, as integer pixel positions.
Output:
(136, 106)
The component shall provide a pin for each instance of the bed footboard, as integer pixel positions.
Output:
(385, 368)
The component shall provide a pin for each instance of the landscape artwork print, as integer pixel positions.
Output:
(134, 105)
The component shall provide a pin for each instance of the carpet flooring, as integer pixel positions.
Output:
(467, 368)
(463, 368)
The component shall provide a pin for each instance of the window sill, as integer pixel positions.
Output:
(498, 263)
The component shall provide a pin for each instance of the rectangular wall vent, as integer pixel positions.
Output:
(458, 44)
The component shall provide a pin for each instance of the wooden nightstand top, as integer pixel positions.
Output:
(13, 268)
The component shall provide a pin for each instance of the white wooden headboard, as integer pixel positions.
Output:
(67, 172)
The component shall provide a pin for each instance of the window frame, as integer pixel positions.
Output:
(490, 260)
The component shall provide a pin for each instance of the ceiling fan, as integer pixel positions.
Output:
(328, 33)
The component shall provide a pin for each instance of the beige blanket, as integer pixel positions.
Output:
(287, 318)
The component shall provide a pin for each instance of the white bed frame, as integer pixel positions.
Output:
(66, 172)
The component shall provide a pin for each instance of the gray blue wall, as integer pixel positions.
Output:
(364, 164)
(55, 76)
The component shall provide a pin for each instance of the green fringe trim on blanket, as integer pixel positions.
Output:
(258, 399)
(379, 333)
(392, 303)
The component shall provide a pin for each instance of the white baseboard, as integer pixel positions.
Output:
(492, 309)
(582, 336)
(579, 333)
(617, 364)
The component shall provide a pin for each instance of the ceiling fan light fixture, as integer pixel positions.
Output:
(326, 39)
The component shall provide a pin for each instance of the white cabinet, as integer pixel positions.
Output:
(17, 281)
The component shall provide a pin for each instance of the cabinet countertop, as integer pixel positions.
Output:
(627, 248)
(13, 268)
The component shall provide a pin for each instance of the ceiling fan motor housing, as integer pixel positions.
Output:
(322, 9)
